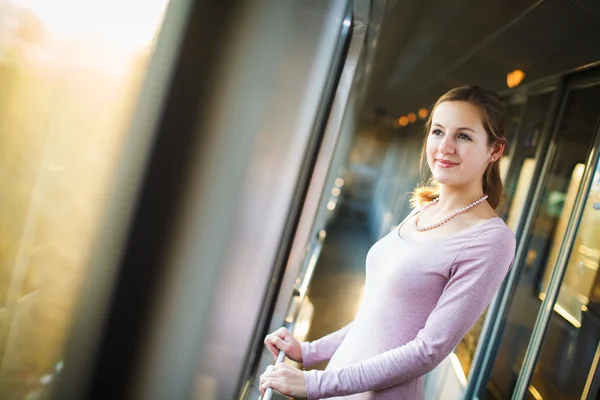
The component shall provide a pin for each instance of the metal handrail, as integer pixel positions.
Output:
(269, 392)
(298, 298)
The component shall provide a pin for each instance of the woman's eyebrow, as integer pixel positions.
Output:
(462, 128)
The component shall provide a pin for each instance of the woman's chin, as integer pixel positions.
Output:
(444, 179)
(451, 182)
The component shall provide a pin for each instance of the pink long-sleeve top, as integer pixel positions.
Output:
(419, 300)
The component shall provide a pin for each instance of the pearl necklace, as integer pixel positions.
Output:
(447, 218)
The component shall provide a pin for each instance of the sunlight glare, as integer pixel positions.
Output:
(130, 24)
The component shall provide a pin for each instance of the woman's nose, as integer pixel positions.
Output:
(447, 145)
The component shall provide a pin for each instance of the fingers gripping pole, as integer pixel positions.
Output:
(269, 391)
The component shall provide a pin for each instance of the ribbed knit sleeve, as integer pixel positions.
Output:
(322, 349)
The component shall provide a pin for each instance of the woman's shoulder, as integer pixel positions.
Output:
(498, 224)
(492, 233)
(490, 249)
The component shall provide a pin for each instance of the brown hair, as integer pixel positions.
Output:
(493, 120)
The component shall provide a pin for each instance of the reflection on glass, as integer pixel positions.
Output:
(524, 183)
(70, 72)
(568, 349)
(568, 306)
(575, 136)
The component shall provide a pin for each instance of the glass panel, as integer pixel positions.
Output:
(523, 155)
(574, 141)
(568, 305)
(523, 133)
(69, 78)
(574, 331)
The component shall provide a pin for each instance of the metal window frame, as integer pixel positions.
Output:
(554, 285)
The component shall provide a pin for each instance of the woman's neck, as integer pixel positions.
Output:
(453, 198)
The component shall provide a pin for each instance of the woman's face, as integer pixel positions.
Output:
(457, 144)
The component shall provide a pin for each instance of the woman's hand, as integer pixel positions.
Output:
(287, 380)
(281, 339)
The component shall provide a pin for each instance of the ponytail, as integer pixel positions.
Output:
(492, 185)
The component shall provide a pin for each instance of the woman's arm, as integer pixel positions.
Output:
(322, 349)
(476, 275)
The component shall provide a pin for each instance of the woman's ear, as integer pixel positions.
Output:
(497, 149)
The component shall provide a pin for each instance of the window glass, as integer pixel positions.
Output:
(70, 73)
(571, 342)
(575, 136)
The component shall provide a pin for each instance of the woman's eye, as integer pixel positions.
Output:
(464, 136)
(436, 132)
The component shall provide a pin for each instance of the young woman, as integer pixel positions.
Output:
(428, 280)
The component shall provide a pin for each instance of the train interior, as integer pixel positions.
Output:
(182, 177)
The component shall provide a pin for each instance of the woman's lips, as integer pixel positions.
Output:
(446, 164)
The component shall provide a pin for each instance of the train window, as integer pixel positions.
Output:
(569, 347)
(69, 79)
(568, 305)
(574, 139)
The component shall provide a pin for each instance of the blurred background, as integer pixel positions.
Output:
(180, 177)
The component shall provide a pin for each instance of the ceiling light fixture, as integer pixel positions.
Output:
(514, 78)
